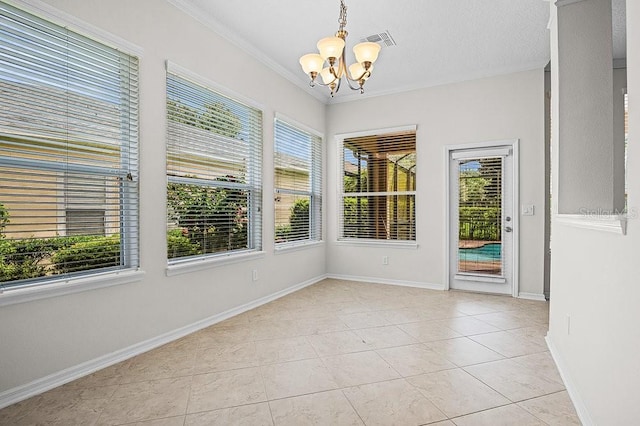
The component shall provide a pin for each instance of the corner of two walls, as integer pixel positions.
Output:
(497, 108)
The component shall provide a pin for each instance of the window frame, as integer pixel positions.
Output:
(46, 287)
(254, 185)
(315, 183)
(341, 239)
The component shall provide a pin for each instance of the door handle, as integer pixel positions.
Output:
(508, 229)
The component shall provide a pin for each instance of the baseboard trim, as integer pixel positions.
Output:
(67, 375)
(375, 280)
(532, 296)
(578, 402)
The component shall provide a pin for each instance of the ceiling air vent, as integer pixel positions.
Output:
(384, 39)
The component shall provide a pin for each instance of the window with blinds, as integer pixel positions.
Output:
(298, 185)
(214, 157)
(68, 153)
(379, 187)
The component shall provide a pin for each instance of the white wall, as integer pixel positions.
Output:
(595, 282)
(585, 69)
(497, 108)
(43, 337)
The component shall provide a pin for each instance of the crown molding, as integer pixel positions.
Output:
(225, 32)
(458, 78)
(59, 17)
(560, 3)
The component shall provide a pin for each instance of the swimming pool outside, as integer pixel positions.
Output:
(486, 253)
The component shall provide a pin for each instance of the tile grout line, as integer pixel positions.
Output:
(355, 410)
(186, 408)
(488, 385)
(266, 395)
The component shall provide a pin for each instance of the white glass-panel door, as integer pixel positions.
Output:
(481, 220)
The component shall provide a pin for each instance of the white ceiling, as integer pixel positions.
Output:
(438, 41)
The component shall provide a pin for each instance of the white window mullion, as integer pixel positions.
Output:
(293, 192)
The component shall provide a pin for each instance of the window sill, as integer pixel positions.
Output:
(616, 224)
(283, 248)
(412, 245)
(69, 286)
(202, 263)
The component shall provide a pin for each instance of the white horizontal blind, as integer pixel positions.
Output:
(68, 153)
(379, 187)
(214, 157)
(480, 215)
(298, 184)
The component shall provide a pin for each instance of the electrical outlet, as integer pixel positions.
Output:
(385, 260)
(254, 274)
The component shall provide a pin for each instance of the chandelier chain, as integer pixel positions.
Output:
(342, 20)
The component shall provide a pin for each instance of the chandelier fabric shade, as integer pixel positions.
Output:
(332, 53)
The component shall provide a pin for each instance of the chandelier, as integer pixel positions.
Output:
(332, 51)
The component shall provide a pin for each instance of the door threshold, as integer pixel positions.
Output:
(480, 278)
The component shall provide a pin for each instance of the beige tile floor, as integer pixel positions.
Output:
(335, 353)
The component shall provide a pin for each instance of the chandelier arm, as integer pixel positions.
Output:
(351, 87)
(366, 74)
(342, 65)
(336, 74)
(360, 80)
(325, 85)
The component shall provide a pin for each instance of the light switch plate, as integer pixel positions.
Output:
(528, 210)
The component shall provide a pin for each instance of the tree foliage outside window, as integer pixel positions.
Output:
(297, 227)
(354, 208)
(212, 219)
(480, 209)
(29, 258)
